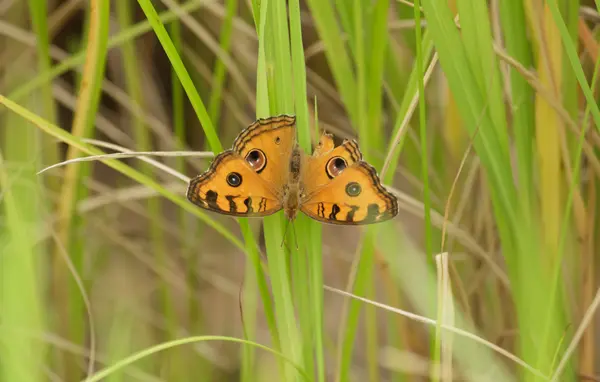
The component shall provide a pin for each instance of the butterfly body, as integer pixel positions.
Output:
(292, 195)
(266, 171)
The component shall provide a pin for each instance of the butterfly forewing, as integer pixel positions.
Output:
(268, 143)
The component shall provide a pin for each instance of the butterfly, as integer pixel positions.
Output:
(266, 171)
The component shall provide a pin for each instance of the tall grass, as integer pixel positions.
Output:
(482, 117)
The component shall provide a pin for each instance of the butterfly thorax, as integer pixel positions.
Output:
(293, 190)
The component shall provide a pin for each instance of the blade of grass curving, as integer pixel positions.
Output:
(76, 142)
(182, 73)
(178, 102)
(99, 376)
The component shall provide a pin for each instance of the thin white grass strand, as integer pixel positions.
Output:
(86, 301)
(432, 322)
(136, 154)
(157, 164)
(141, 155)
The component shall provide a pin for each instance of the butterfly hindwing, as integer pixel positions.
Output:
(231, 187)
(315, 172)
(353, 196)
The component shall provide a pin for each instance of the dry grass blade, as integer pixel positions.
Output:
(134, 154)
(585, 322)
(429, 321)
(157, 164)
(86, 300)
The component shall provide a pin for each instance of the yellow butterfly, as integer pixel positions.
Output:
(266, 171)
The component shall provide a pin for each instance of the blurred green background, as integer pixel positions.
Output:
(481, 116)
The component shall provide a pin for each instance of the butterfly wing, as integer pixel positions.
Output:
(340, 188)
(249, 179)
(268, 143)
(231, 187)
(319, 169)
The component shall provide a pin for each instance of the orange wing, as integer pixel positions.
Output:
(231, 187)
(249, 179)
(271, 139)
(340, 188)
(319, 169)
(354, 197)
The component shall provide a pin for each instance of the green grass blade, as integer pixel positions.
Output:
(66, 137)
(276, 47)
(20, 278)
(311, 319)
(182, 73)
